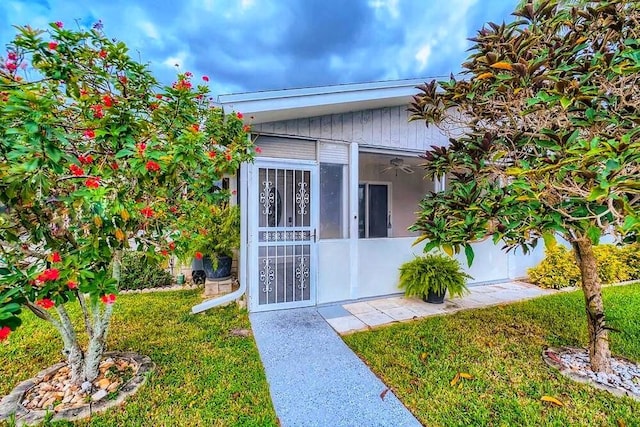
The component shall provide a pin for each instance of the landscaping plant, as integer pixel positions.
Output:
(433, 272)
(544, 139)
(97, 158)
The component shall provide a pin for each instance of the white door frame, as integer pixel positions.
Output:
(253, 231)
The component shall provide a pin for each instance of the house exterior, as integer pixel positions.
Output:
(327, 202)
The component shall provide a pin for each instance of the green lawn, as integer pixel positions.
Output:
(501, 347)
(203, 375)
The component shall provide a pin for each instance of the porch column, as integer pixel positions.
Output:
(354, 176)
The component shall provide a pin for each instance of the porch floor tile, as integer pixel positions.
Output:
(383, 311)
(346, 324)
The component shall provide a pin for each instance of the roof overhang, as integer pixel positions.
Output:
(288, 104)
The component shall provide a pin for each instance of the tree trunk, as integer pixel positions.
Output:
(97, 343)
(599, 353)
(72, 350)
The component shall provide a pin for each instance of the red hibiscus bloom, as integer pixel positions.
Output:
(102, 54)
(53, 45)
(107, 101)
(59, 24)
(239, 115)
(198, 255)
(85, 160)
(4, 333)
(164, 252)
(147, 212)
(92, 182)
(90, 133)
(108, 299)
(172, 246)
(76, 170)
(258, 150)
(72, 285)
(48, 275)
(212, 154)
(205, 78)
(55, 257)
(45, 303)
(152, 166)
(97, 111)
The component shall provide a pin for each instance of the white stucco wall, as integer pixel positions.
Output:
(334, 270)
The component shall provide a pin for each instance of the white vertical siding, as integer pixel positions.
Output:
(386, 127)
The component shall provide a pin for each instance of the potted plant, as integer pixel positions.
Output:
(218, 236)
(431, 275)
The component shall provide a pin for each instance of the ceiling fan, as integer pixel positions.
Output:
(396, 164)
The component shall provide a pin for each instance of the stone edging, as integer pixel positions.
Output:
(583, 378)
(11, 404)
(162, 289)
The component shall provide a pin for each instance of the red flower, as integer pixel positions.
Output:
(198, 255)
(97, 111)
(92, 182)
(154, 106)
(123, 80)
(182, 85)
(147, 212)
(59, 24)
(11, 66)
(199, 96)
(48, 275)
(90, 133)
(45, 303)
(55, 257)
(188, 74)
(108, 101)
(212, 154)
(12, 56)
(152, 166)
(114, 166)
(228, 156)
(239, 115)
(258, 150)
(246, 128)
(108, 299)
(172, 246)
(4, 333)
(164, 252)
(195, 127)
(76, 170)
(141, 147)
(173, 209)
(234, 192)
(53, 45)
(72, 285)
(84, 92)
(102, 54)
(158, 96)
(205, 78)
(85, 160)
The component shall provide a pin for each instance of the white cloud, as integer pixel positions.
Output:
(246, 4)
(391, 7)
(179, 60)
(422, 56)
(149, 29)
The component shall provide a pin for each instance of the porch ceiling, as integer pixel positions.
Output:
(288, 104)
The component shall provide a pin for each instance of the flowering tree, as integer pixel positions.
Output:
(96, 159)
(549, 139)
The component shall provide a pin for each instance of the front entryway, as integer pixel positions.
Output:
(282, 219)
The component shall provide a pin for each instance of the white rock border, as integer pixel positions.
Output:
(584, 379)
(11, 405)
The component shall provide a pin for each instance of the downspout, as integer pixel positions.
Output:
(242, 272)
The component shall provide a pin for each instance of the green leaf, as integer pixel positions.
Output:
(448, 249)
(597, 193)
(468, 251)
(565, 102)
(594, 233)
(549, 240)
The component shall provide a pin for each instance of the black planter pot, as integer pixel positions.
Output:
(434, 297)
(222, 272)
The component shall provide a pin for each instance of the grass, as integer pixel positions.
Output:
(203, 375)
(501, 347)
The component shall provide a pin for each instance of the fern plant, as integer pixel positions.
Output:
(433, 272)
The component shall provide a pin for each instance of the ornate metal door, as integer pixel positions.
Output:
(283, 223)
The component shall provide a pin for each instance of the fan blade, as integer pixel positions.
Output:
(406, 169)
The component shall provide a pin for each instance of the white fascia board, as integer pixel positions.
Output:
(308, 102)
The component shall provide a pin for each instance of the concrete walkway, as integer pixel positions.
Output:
(316, 380)
(361, 315)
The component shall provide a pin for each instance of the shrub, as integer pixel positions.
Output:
(140, 271)
(437, 273)
(559, 268)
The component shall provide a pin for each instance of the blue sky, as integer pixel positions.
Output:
(251, 45)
